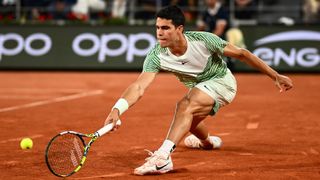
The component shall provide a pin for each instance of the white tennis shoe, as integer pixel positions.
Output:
(193, 142)
(157, 163)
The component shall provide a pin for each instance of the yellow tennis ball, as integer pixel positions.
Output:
(26, 143)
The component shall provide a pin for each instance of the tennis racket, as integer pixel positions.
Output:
(66, 152)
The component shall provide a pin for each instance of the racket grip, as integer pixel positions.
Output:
(107, 128)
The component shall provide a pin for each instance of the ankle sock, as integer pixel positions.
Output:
(167, 147)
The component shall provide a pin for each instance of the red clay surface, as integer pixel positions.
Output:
(266, 135)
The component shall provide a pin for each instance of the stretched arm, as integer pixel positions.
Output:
(282, 82)
(131, 95)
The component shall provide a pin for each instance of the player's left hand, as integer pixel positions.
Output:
(284, 83)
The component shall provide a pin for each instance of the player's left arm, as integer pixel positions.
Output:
(284, 83)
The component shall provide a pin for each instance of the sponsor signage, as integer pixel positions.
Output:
(127, 45)
(124, 47)
(105, 48)
(285, 48)
(24, 44)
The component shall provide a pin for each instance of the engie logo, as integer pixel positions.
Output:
(24, 44)
(305, 56)
(100, 45)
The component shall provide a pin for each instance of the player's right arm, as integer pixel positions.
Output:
(130, 96)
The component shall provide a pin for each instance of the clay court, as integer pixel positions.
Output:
(266, 134)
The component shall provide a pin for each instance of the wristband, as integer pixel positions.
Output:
(122, 105)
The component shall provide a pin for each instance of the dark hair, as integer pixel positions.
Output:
(173, 13)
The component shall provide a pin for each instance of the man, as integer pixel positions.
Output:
(214, 19)
(196, 59)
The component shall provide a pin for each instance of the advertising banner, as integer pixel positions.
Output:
(109, 48)
(291, 49)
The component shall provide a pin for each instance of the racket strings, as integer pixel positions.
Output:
(65, 153)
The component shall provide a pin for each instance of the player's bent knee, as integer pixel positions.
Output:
(187, 106)
(183, 105)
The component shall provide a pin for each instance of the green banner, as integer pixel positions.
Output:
(285, 48)
(291, 49)
(108, 47)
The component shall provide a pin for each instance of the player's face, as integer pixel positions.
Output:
(167, 33)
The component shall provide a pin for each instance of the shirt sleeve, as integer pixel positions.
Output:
(214, 43)
(152, 62)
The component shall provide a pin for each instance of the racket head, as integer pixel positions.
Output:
(64, 153)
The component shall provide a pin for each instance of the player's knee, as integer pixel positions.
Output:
(185, 105)
(182, 105)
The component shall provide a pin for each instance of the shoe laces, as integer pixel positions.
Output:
(153, 157)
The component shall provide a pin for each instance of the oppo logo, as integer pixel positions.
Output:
(100, 45)
(305, 57)
(24, 44)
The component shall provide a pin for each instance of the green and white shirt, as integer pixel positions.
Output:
(202, 61)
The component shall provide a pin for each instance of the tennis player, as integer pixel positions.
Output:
(196, 59)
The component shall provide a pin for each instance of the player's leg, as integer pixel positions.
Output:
(201, 138)
(223, 91)
(204, 99)
(198, 128)
(201, 133)
(196, 103)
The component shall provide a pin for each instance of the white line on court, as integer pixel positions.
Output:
(223, 134)
(26, 97)
(42, 90)
(252, 125)
(196, 164)
(102, 176)
(18, 139)
(58, 99)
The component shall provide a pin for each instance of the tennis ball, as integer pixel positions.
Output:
(26, 143)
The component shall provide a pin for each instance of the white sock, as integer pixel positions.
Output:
(167, 147)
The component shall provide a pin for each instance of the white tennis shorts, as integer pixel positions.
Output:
(222, 90)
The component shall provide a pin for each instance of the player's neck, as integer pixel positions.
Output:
(180, 46)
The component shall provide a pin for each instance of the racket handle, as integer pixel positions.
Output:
(107, 128)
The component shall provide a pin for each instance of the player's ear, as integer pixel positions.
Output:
(180, 28)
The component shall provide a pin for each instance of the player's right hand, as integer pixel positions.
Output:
(113, 117)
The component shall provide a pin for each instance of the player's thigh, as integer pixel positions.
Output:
(222, 90)
(200, 103)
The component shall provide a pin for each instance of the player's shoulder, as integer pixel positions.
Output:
(156, 50)
(196, 33)
(199, 35)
